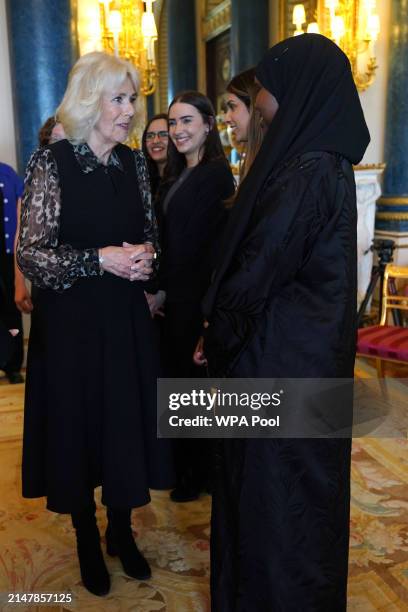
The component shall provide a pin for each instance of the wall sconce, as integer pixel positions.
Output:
(130, 32)
(354, 26)
(299, 18)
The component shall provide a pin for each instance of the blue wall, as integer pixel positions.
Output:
(396, 137)
(42, 51)
(182, 55)
(249, 33)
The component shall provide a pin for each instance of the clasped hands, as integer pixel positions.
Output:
(130, 261)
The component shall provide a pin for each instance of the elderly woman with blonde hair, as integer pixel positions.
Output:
(87, 238)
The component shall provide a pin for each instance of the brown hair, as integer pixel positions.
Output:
(213, 150)
(151, 165)
(44, 134)
(244, 87)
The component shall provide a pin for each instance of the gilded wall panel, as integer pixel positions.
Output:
(163, 59)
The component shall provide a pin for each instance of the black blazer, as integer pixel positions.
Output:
(191, 229)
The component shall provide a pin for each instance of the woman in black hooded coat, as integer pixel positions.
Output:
(282, 304)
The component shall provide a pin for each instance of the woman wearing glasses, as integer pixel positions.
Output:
(155, 141)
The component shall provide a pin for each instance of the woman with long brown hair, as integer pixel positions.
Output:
(242, 118)
(191, 216)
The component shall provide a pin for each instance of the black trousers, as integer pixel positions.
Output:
(180, 330)
(10, 316)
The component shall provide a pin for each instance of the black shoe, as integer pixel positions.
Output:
(120, 542)
(184, 493)
(94, 574)
(15, 378)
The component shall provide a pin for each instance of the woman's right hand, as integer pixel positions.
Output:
(22, 297)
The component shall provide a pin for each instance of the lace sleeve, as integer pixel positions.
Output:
(151, 232)
(42, 260)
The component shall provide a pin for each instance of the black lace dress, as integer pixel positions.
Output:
(90, 409)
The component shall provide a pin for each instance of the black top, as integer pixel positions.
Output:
(116, 224)
(287, 305)
(190, 231)
(43, 256)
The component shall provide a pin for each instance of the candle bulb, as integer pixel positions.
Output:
(150, 50)
(116, 44)
(115, 26)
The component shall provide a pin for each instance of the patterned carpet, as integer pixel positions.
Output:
(37, 547)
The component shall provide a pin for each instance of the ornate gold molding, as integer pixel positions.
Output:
(392, 216)
(370, 167)
(163, 60)
(399, 201)
(157, 8)
(217, 21)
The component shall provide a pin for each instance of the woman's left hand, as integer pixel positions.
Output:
(141, 256)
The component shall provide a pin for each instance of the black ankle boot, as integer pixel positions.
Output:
(120, 542)
(184, 493)
(94, 574)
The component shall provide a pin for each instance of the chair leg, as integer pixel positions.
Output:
(379, 364)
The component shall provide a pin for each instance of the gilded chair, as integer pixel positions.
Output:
(385, 342)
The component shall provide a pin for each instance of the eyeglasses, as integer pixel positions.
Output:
(152, 135)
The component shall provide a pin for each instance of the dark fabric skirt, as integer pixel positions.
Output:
(90, 408)
(280, 526)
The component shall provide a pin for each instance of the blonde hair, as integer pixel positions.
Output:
(93, 75)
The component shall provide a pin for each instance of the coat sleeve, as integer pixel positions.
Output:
(151, 233)
(283, 227)
(40, 257)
